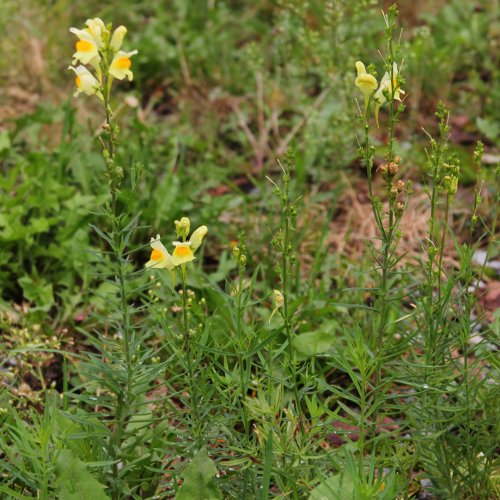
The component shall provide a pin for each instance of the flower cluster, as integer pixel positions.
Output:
(97, 48)
(183, 249)
(389, 86)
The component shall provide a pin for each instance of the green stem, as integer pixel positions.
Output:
(285, 314)
(193, 393)
(441, 247)
(125, 400)
(241, 359)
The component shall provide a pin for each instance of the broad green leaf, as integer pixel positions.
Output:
(317, 342)
(74, 481)
(199, 479)
(335, 487)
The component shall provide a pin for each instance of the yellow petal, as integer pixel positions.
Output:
(360, 68)
(120, 65)
(160, 258)
(366, 83)
(117, 38)
(182, 254)
(197, 237)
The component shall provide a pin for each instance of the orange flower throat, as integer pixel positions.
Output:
(182, 251)
(123, 63)
(83, 46)
(156, 255)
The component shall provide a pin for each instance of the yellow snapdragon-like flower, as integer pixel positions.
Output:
(97, 47)
(386, 86)
(86, 47)
(121, 64)
(365, 82)
(160, 258)
(97, 29)
(184, 250)
(85, 82)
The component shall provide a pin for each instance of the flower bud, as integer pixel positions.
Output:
(117, 38)
(182, 228)
(279, 299)
(236, 252)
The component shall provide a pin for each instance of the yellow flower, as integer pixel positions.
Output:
(386, 86)
(117, 38)
(85, 81)
(279, 300)
(160, 258)
(197, 237)
(86, 47)
(365, 82)
(97, 29)
(120, 65)
(184, 250)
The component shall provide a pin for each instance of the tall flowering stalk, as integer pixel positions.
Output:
(124, 368)
(283, 243)
(181, 256)
(387, 214)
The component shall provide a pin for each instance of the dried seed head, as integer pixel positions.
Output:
(393, 168)
(400, 185)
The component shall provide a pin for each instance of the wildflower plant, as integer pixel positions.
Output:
(388, 213)
(181, 256)
(283, 243)
(123, 368)
(452, 414)
(371, 349)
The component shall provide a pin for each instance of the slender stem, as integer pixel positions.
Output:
(387, 234)
(441, 247)
(241, 359)
(126, 399)
(286, 317)
(362, 424)
(193, 393)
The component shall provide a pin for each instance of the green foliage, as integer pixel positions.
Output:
(320, 341)
(199, 479)
(45, 209)
(74, 481)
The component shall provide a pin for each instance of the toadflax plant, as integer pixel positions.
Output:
(122, 368)
(181, 256)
